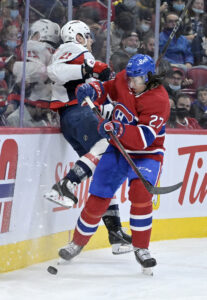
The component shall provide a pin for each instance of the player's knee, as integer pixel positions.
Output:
(138, 195)
(96, 206)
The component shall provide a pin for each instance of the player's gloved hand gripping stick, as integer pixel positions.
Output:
(148, 186)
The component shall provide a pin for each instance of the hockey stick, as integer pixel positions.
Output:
(177, 25)
(148, 186)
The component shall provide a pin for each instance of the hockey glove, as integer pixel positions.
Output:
(93, 90)
(96, 69)
(101, 71)
(116, 127)
(107, 111)
(87, 68)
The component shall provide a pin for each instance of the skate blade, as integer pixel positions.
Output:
(147, 271)
(121, 248)
(57, 199)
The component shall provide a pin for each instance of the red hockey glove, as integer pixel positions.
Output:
(116, 127)
(101, 71)
(96, 69)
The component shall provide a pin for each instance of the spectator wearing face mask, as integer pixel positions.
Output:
(10, 12)
(196, 14)
(175, 81)
(143, 26)
(177, 6)
(122, 23)
(9, 42)
(179, 50)
(129, 44)
(183, 106)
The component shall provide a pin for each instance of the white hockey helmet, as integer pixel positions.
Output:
(48, 30)
(72, 28)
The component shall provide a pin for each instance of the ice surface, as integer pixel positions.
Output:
(181, 273)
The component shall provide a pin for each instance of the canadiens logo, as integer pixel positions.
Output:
(122, 114)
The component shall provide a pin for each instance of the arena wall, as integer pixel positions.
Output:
(32, 229)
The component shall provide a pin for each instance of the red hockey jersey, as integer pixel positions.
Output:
(144, 116)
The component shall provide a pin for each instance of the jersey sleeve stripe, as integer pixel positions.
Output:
(162, 131)
(142, 136)
(148, 134)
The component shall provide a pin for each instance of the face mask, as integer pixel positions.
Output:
(11, 44)
(14, 13)
(178, 7)
(145, 27)
(175, 87)
(182, 112)
(131, 50)
(172, 115)
(197, 11)
(2, 75)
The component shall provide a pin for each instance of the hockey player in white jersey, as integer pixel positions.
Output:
(44, 37)
(73, 64)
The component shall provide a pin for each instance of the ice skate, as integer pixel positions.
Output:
(62, 193)
(120, 241)
(145, 260)
(70, 251)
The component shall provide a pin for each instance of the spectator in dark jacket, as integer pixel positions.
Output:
(179, 50)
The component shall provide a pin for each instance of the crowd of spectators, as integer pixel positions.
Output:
(132, 31)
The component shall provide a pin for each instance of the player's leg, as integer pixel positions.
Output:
(77, 125)
(120, 241)
(141, 210)
(62, 192)
(108, 177)
(86, 226)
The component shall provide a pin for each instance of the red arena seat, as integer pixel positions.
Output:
(199, 76)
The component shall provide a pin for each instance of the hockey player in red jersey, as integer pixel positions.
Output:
(138, 121)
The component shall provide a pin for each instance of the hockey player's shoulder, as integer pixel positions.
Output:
(159, 91)
(72, 47)
(69, 51)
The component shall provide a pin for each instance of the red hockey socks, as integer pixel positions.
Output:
(140, 214)
(89, 219)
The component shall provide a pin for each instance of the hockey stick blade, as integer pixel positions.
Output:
(151, 189)
(163, 190)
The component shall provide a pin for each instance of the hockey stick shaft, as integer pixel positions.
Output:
(177, 25)
(148, 186)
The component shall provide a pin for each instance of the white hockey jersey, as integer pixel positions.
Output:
(38, 58)
(65, 70)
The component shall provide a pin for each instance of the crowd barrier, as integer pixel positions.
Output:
(32, 229)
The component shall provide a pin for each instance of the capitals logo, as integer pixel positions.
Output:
(122, 114)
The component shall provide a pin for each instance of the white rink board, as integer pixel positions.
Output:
(39, 159)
